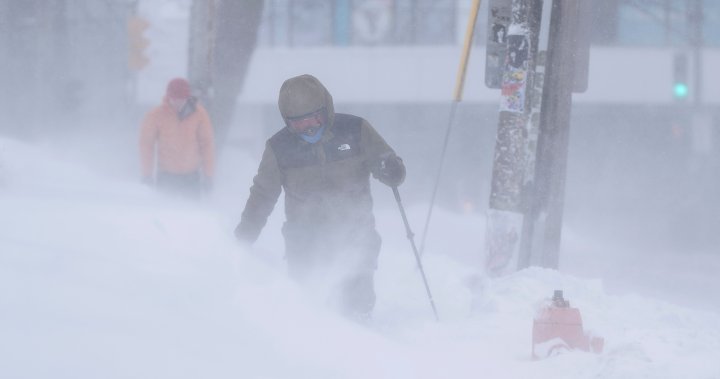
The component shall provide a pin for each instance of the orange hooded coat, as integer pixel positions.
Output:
(183, 146)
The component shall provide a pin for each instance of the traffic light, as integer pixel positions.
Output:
(137, 43)
(680, 88)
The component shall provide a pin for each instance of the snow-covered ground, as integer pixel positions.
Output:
(101, 277)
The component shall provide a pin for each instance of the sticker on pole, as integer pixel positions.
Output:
(514, 80)
(499, 17)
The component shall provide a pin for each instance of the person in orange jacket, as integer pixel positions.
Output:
(180, 134)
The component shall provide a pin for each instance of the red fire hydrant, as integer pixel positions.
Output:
(558, 327)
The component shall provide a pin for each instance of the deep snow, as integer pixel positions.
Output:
(102, 277)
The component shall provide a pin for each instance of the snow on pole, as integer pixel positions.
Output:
(506, 213)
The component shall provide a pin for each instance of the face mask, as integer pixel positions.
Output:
(315, 137)
(187, 109)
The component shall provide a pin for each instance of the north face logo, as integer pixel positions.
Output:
(344, 147)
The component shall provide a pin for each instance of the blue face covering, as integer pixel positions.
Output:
(315, 137)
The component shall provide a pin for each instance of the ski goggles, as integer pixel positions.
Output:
(309, 123)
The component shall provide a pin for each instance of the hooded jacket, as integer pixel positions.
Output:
(327, 183)
(183, 145)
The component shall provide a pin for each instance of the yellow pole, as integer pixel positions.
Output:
(458, 95)
(469, 32)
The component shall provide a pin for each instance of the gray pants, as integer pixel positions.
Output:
(310, 250)
(188, 185)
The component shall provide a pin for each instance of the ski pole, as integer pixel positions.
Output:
(410, 236)
(459, 85)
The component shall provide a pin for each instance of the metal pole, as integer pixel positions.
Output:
(554, 130)
(697, 41)
(506, 210)
(415, 251)
(459, 85)
(467, 44)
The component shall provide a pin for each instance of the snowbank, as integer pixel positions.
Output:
(102, 277)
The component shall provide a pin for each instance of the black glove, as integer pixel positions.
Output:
(391, 171)
(245, 235)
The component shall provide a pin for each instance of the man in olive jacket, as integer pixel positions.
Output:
(323, 161)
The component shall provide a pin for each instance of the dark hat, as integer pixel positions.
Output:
(178, 88)
(302, 95)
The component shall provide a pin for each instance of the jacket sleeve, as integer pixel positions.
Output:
(266, 188)
(148, 135)
(377, 150)
(206, 140)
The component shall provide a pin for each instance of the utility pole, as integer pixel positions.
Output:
(548, 190)
(201, 48)
(223, 35)
(703, 142)
(505, 215)
(695, 18)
